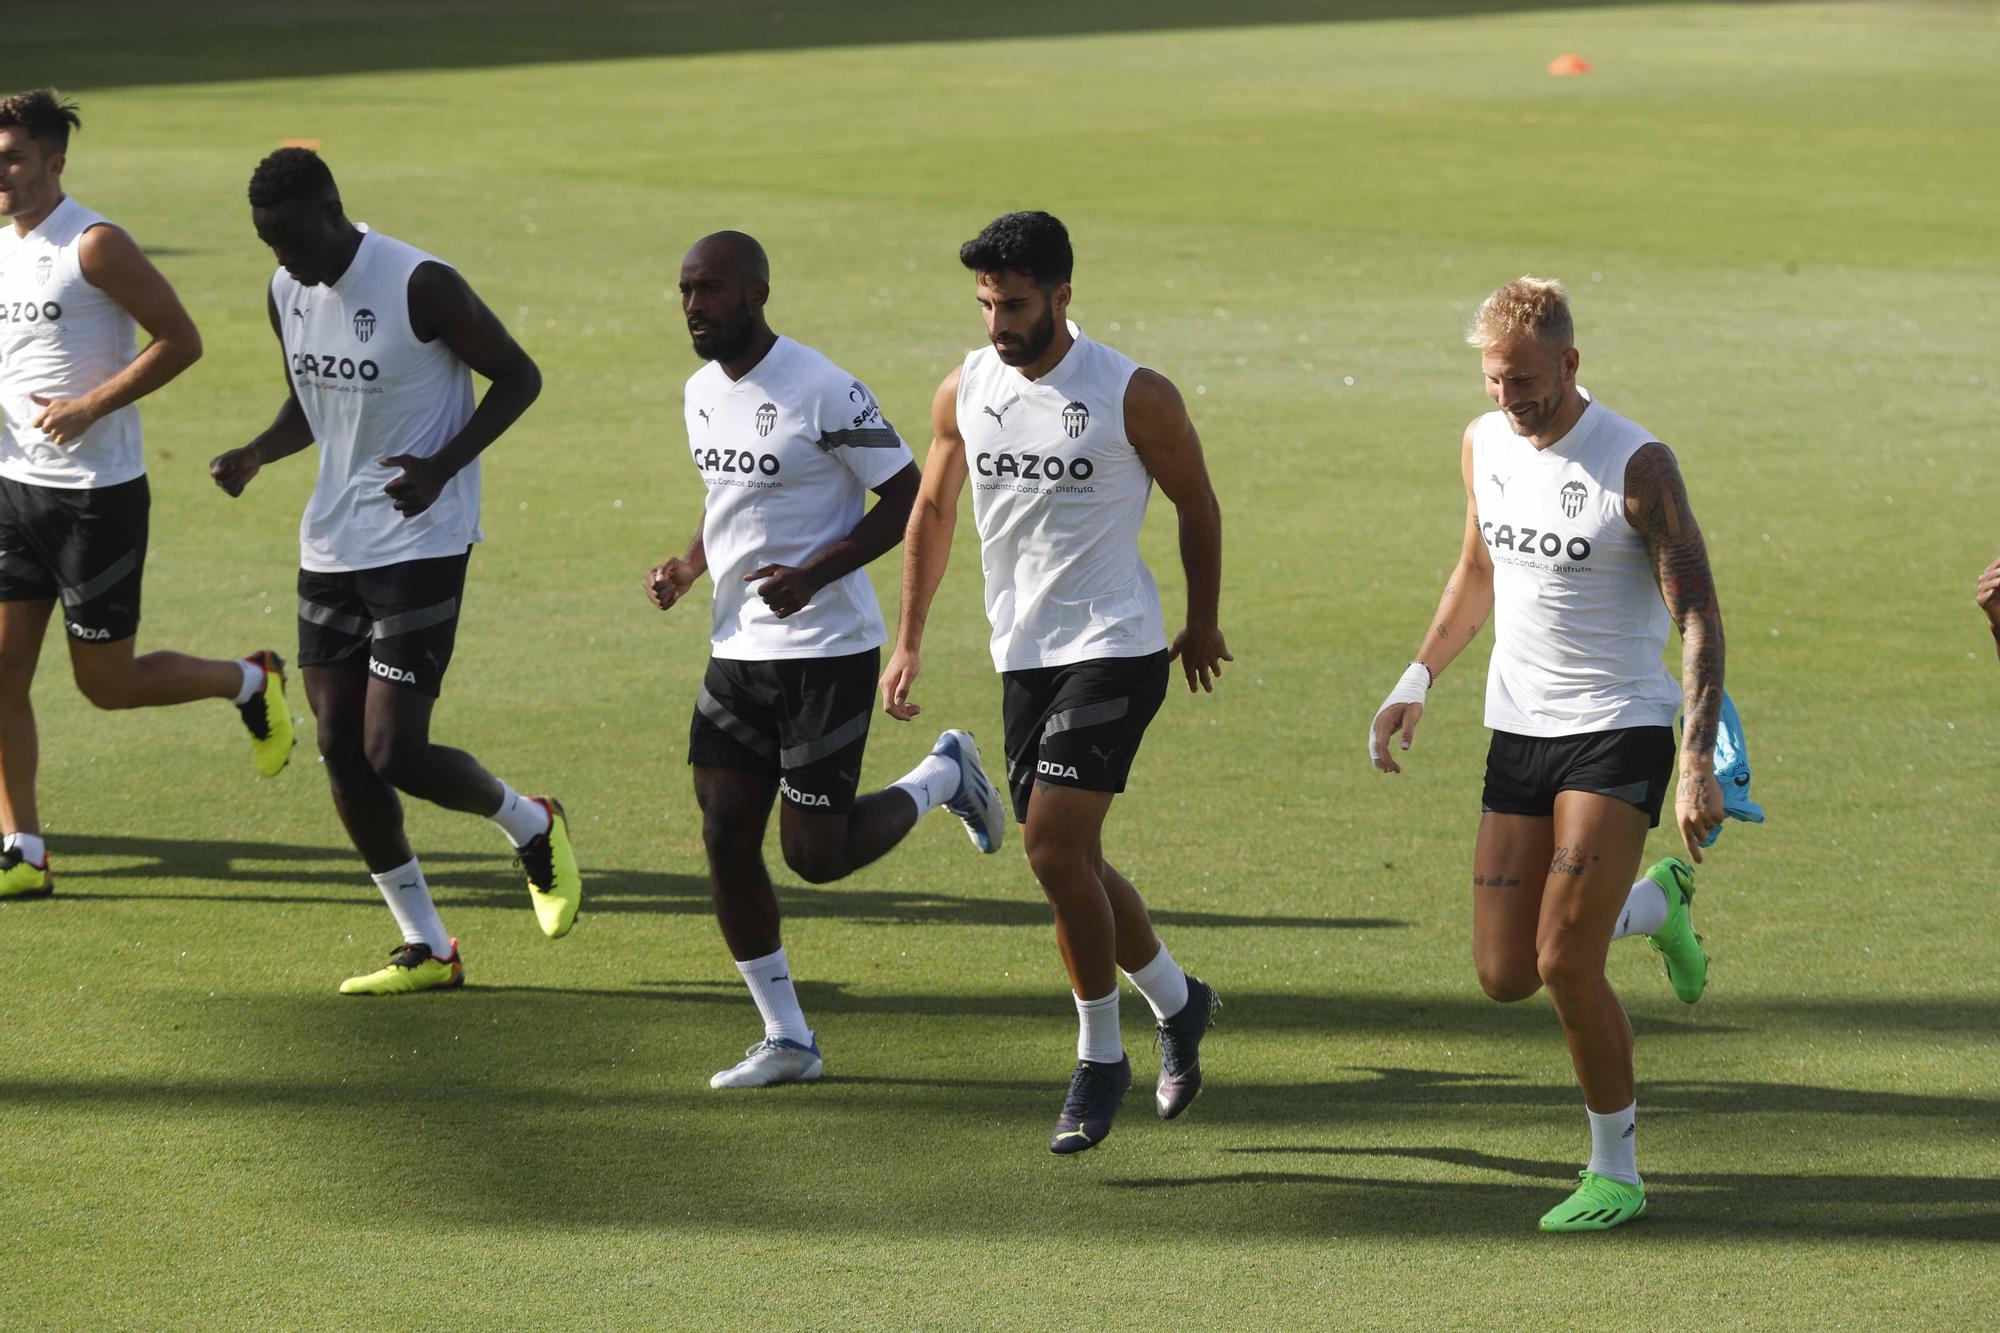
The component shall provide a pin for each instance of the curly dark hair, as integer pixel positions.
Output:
(45, 114)
(290, 173)
(1032, 243)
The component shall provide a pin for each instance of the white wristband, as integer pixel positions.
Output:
(1411, 687)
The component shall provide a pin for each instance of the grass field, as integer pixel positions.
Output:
(1776, 221)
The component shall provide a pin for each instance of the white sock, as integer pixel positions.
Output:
(31, 847)
(770, 982)
(931, 783)
(1645, 911)
(1162, 983)
(409, 900)
(1614, 1144)
(1097, 1029)
(253, 681)
(521, 818)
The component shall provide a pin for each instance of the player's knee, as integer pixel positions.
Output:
(727, 835)
(1563, 964)
(396, 759)
(814, 862)
(108, 690)
(1058, 865)
(1507, 985)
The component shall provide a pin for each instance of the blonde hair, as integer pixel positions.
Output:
(1526, 307)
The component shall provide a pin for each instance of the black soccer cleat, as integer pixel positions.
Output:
(1094, 1093)
(1180, 1049)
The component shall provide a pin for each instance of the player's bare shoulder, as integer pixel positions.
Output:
(944, 405)
(1656, 500)
(1154, 406)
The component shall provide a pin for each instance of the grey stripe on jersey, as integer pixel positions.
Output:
(105, 580)
(315, 614)
(1087, 715)
(733, 726)
(409, 622)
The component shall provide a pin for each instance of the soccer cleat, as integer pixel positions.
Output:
(1095, 1090)
(1675, 940)
(1599, 1204)
(1180, 1049)
(268, 718)
(22, 878)
(978, 801)
(411, 967)
(555, 886)
(773, 1060)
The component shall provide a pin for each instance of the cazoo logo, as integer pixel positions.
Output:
(1034, 467)
(307, 366)
(739, 461)
(1533, 541)
(29, 312)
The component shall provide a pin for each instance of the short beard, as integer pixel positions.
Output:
(1038, 341)
(727, 342)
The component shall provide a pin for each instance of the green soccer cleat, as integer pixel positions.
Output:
(1675, 940)
(1599, 1204)
(555, 886)
(412, 967)
(22, 878)
(268, 718)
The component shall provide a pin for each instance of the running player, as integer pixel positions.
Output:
(1067, 437)
(1581, 546)
(789, 445)
(73, 496)
(380, 341)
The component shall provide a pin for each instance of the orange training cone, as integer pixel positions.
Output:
(1569, 62)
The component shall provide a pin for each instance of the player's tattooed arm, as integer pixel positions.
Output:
(926, 548)
(1656, 504)
(1157, 423)
(287, 434)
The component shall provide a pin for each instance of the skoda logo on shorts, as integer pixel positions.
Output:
(364, 324)
(1573, 494)
(1076, 420)
(767, 417)
(45, 267)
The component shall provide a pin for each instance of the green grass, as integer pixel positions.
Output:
(1776, 221)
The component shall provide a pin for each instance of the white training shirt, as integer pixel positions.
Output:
(789, 453)
(370, 389)
(60, 337)
(1578, 622)
(1059, 495)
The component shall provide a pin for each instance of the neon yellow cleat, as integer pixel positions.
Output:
(22, 878)
(411, 967)
(268, 718)
(1599, 1204)
(555, 885)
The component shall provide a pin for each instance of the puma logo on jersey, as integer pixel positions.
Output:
(1103, 755)
(702, 412)
(300, 313)
(395, 675)
(797, 797)
(1501, 484)
(1050, 769)
(1001, 415)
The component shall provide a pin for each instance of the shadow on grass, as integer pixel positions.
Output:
(1795, 1204)
(86, 44)
(469, 879)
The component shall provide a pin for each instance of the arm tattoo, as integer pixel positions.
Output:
(1656, 503)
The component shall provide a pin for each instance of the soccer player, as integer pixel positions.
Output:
(1988, 597)
(1065, 438)
(73, 496)
(1581, 546)
(788, 445)
(380, 341)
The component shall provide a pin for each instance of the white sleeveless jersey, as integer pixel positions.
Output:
(370, 389)
(1059, 495)
(60, 337)
(1578, 621)
(788, 453)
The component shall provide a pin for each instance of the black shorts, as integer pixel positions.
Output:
(1078, 725)
(802, 720)
(404, 616)
(84, 545)
(1633, 764)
